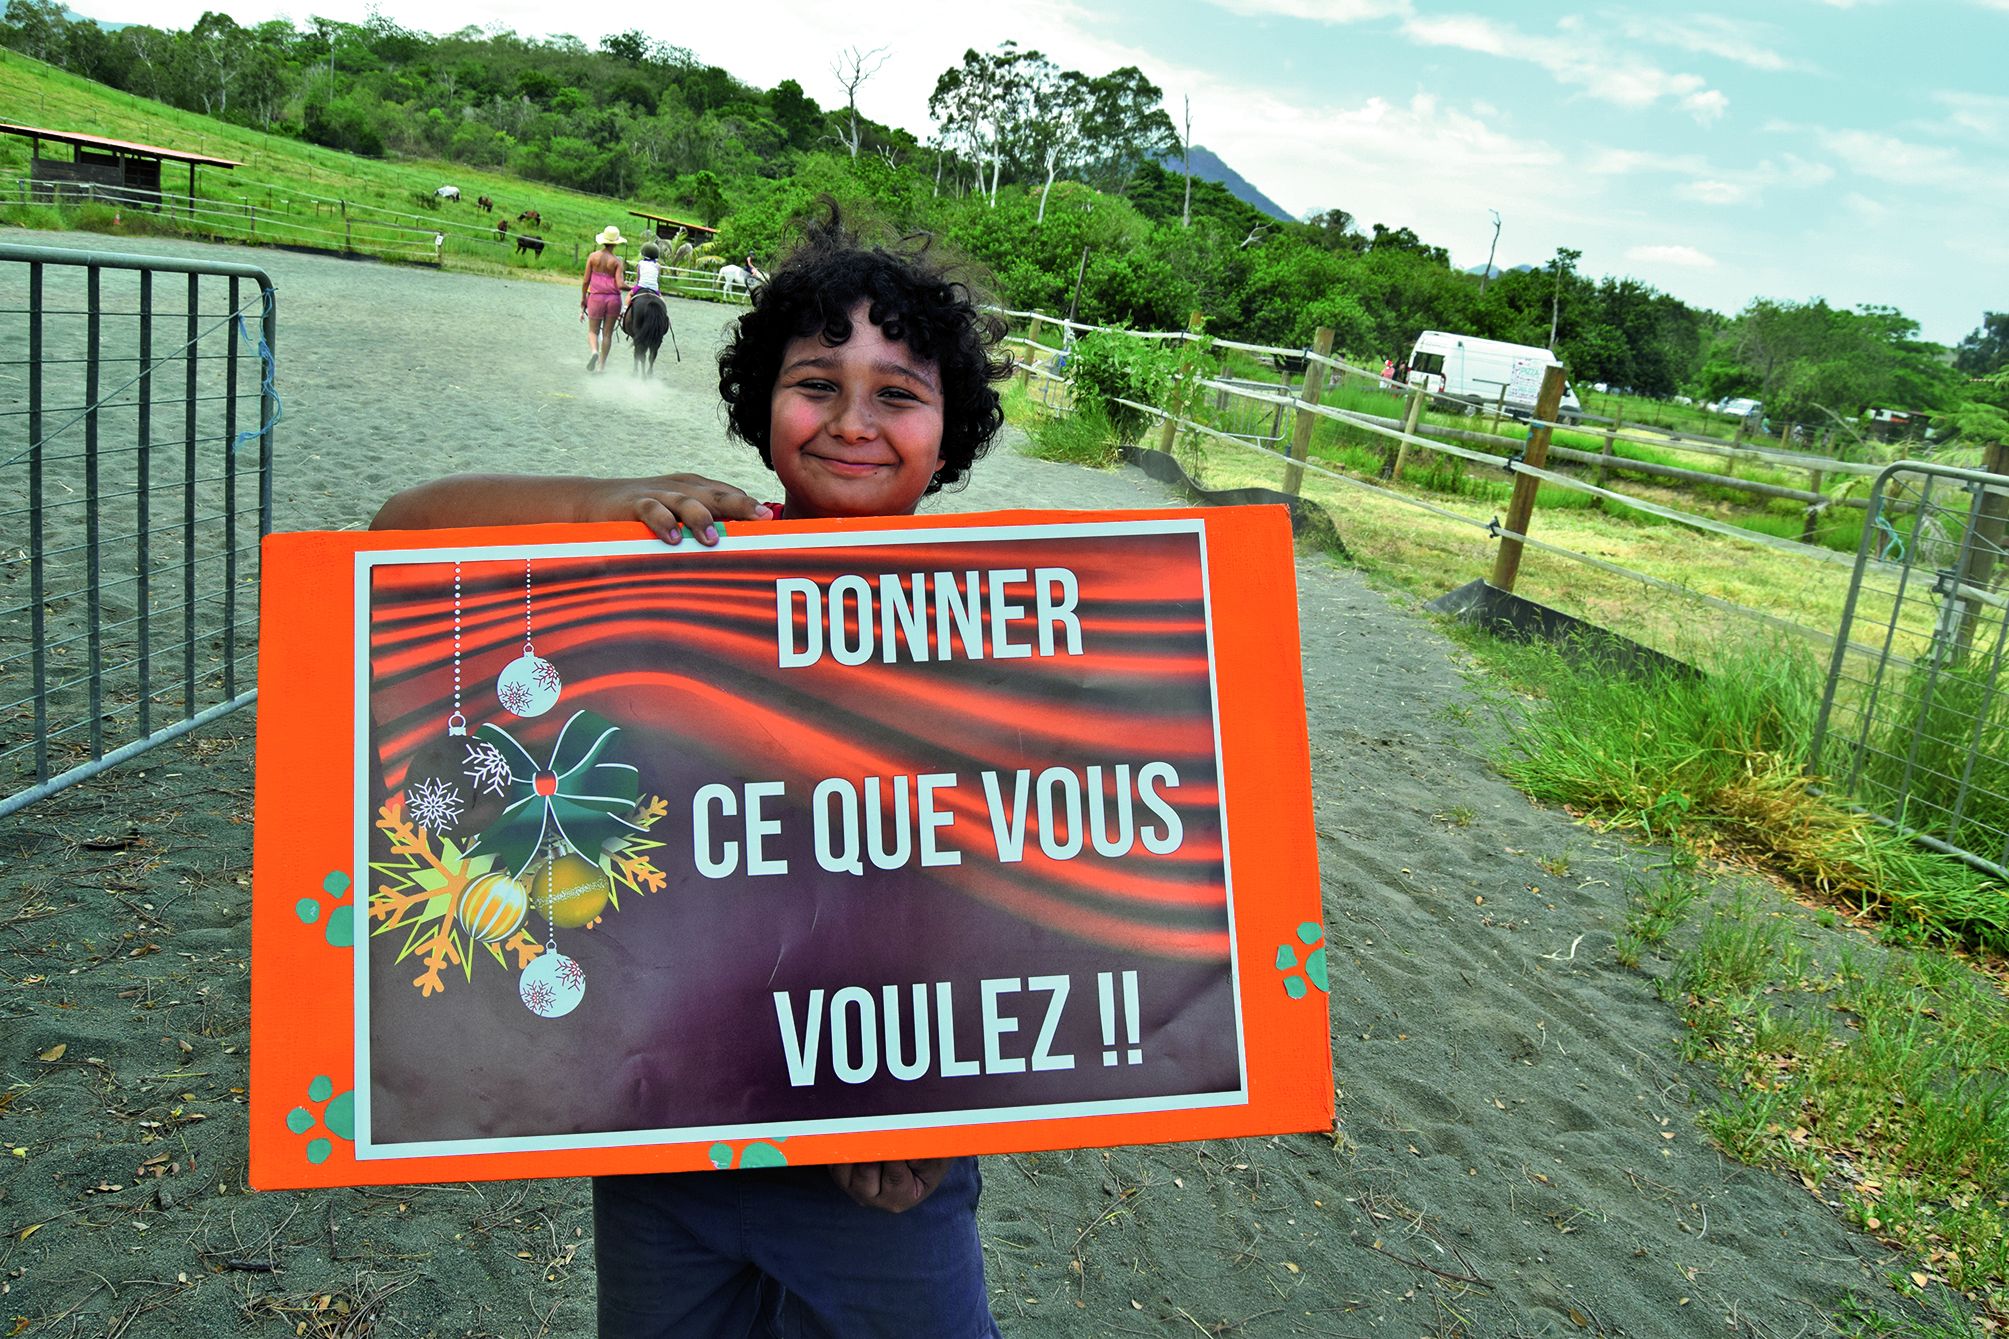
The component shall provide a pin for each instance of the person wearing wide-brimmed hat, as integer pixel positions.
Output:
(600, 296)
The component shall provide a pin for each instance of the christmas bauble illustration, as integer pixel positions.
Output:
(568, 890)
(552, 985)
(493, 907)
(528, 685)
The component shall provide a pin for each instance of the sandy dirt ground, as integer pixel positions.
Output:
(1517, 1150)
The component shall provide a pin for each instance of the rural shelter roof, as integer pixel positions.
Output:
(101, 143)
(674, 223)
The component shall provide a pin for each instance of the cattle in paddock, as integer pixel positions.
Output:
(525, 242)
(448, 193)
(487, 205)
(530, 216)
(502, 228)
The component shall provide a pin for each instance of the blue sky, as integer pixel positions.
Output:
(1856, 150)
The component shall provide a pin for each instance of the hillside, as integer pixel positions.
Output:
(302, 193)
(1208, 166)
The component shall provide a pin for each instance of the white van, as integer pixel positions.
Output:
(1476, 369)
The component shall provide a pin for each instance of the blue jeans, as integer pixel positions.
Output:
(785, 1254)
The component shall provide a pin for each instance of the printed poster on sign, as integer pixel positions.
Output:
(820, 840)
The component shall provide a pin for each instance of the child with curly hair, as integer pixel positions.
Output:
(864, 377)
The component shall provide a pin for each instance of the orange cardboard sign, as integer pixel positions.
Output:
(839, 841)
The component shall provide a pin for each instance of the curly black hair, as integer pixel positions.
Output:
(908, 295)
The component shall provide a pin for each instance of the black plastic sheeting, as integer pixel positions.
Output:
(1309, 521)
(1505, 614)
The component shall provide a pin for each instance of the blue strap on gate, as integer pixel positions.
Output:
(265, 377)
(1893, 546)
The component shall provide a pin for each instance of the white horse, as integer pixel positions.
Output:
(735, 276)
(448, 192)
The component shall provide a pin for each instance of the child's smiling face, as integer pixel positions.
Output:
(855, 430)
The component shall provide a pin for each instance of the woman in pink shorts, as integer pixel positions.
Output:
(600, 296)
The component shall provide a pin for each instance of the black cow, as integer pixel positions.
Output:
(525, 242)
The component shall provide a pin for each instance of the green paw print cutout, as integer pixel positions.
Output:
(338, 1118)
(1311, 969)
(754, 1153)
(340, 930)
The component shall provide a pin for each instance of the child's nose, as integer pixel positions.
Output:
(855, 418)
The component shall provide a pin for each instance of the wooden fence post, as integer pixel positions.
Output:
(1984, 546)
(1409, 422)
(1521, 507)
(1303, 424)
(1610, 442)
(1813, 517)
(1032, 337)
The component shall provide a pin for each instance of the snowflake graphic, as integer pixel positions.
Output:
(486, 768)
(571, 974)
(434, 803)
(516, 698)
(546, 675)
(539, 997)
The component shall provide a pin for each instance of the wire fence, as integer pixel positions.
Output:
(273, 215)
(137, 403)
(1914, 726)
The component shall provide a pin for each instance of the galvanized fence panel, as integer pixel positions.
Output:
(1914, 726)
(137, 402)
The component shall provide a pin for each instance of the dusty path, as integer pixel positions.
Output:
(1517, 1153)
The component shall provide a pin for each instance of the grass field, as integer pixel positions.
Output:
(287, 192)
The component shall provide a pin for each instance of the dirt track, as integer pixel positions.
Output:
(1517, 1153)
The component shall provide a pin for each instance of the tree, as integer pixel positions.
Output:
(1984, 351)
(1334, 230)
(852, 68)
(34, 28)
(1563, 266)
(1126, 127)
(985, 104)
(632, 46)
(796, 113)
(1060, 101)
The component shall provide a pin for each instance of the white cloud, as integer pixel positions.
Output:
(1982, 114)
(1737, 40)
(1321, 11)
(1716, 192)
(1707, 105)
(1675, 253)
(1900, 162)
(1606, 73)
(1468, 32)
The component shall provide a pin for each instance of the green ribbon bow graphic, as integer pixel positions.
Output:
(574, 798)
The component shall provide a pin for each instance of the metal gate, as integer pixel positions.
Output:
(136, 412)
(1914, 725)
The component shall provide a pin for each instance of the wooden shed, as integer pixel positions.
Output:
(666, 227)
(132, 171)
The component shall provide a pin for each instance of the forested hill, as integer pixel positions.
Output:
(1027, 166)
(1209, 166)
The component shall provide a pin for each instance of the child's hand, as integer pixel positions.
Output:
(671, 503)
(893, 1186)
